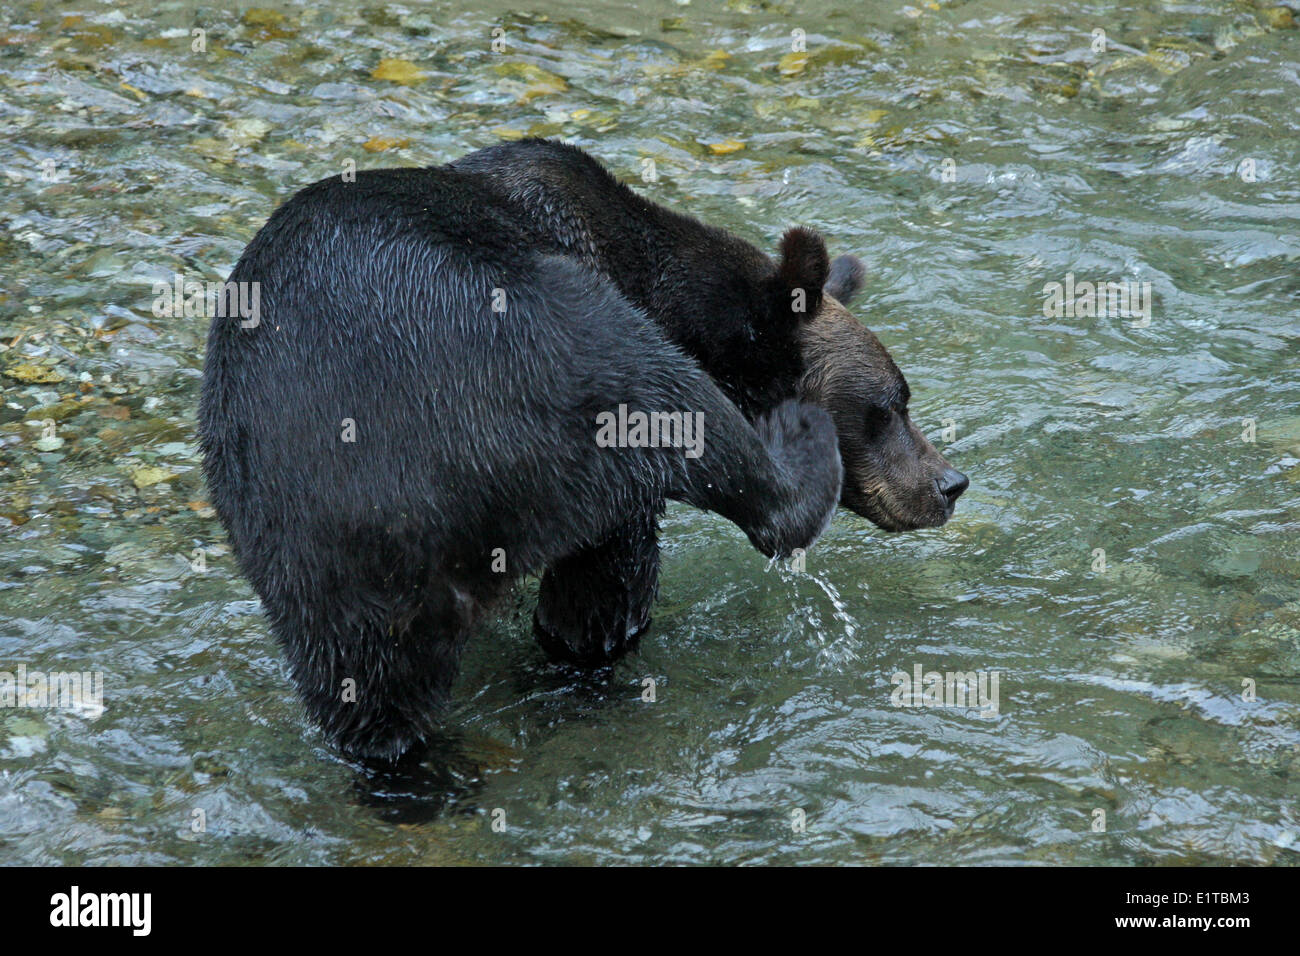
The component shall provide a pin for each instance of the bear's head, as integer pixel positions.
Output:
(893, 475)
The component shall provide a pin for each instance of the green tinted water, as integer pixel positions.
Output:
(1168, 158)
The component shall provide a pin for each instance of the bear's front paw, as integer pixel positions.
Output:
(802, 441)
(598, 643)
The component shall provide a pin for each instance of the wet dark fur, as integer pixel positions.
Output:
(730, 307)
(474, 431)
(723, 301)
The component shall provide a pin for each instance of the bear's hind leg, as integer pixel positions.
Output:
(375, 666)
(594, 604)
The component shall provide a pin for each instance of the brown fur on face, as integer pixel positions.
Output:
(893, 475)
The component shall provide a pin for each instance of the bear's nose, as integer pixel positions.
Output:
(951, 484)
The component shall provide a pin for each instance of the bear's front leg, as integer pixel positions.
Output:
(594, 604)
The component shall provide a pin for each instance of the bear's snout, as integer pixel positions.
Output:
(951, 484)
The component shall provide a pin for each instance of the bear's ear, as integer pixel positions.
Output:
(802, 272)
(846, 278)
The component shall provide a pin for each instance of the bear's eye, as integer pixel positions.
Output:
(878, 416)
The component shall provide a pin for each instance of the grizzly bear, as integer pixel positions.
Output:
(420, 415)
